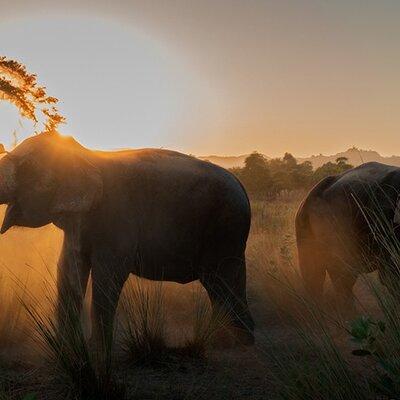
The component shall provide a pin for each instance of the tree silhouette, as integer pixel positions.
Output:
(331, 168)
(341, 160)
(19, 87)
(268, 178)
(255, 175)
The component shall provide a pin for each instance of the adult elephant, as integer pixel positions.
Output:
(348, 225)
(155, 213)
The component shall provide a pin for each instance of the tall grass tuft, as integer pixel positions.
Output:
(12, 328)
(144, 329)
(143, 324)
(378, 336)
(74, 371)
(316, 367)
(206, 325)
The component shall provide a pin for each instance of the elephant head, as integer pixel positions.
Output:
(46, 178)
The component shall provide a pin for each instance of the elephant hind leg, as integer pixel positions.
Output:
(226, 288)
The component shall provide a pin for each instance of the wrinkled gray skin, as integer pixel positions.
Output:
(158, 214)
(335, 226)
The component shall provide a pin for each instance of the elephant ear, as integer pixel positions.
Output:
(80, 187)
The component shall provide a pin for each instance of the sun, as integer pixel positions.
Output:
(117, 87)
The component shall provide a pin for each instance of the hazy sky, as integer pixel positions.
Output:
(214, 76)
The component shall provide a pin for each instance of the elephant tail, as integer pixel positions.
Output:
(311, 264)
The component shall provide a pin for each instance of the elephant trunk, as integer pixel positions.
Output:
(7, 180)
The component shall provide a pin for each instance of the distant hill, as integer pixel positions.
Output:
(355, 156)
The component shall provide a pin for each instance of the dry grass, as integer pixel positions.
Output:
(72, 369)
(303, 348)
(142, 314)
(144, 335)
(12, 327)
(206, 325)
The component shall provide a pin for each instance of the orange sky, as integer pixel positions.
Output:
(222, 76)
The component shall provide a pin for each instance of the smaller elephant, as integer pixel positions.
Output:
(343, 227)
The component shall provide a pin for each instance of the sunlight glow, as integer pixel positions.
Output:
(117, 87)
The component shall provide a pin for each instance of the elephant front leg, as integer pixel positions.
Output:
(106, 289)
(72, 279)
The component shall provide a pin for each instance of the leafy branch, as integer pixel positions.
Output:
(20, 88)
